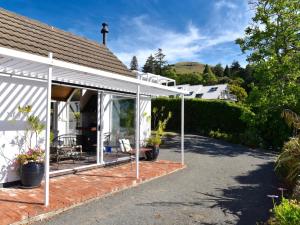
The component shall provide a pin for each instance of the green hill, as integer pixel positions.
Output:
(188, 67)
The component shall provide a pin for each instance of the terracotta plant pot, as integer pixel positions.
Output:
(31, 174)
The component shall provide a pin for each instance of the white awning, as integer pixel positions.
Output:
(28, 65)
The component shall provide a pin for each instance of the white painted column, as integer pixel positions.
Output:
(47, 140)
(182, 129)
(67, 116)
(100, 125)
(137, 132)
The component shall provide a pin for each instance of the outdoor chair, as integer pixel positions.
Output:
(66, 146)
(126, 148)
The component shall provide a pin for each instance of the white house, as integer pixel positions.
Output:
(73, 85)
(218, 91)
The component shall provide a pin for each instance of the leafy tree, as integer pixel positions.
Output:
(160, 61)
(249, 79)
(227, 72)
(134, 63)
(170, 73)
(208, 76)
(238, 91)
(206, 69)
(218, 70)
(223, 80)
(190, 78)
(235, 69)
(273, 43)
(237, 81)
(149, 66)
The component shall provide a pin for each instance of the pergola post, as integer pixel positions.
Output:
(182, 129)
(137, 131)
(100, 114)
(47, 141)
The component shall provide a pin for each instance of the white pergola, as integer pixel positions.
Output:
(29, 66)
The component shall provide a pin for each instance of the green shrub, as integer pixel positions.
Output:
(220, 135)
(286, 213)
(216, 118)
(288, 162)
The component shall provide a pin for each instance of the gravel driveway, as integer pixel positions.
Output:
(223, 184)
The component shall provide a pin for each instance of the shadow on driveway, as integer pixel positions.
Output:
(247, 201)
(209, 146)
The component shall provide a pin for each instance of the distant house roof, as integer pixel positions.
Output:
(20, 33)
(218, 91)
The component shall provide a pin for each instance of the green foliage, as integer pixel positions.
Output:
(150, 65)
(160, 61)
(288, 162)
(51, 137)
(218, 70)
(273, 44)
(221, 135)
(238, 91)
(134, 63)
(160, 118)
(286, 213)
(292, 119)
(192, 78)
(235, 69)
(204, 116)
(209, 77)
(34, 125)
(227, 72)
(156, 64)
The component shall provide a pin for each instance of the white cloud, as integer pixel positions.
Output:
(143, 37)
(225, 4)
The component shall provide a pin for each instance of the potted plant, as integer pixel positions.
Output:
(154, 142)
(160, 120)
(31, 167)
(31, 159)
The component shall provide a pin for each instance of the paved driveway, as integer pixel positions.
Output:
(223, 184)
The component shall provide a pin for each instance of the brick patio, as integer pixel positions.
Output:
(71, 190)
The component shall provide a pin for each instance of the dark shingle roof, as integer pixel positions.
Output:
(20, 33)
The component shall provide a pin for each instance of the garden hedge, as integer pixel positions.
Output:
(203, 116)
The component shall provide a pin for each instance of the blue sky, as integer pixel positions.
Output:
(189, 30)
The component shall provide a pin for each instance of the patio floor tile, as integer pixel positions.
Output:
(24, 205)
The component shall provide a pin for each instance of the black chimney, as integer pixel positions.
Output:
(104, 30)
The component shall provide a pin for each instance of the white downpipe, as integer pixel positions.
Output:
(47, 141)
(182, 129)
(137, 132)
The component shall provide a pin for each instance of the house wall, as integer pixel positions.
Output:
(16, 92)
